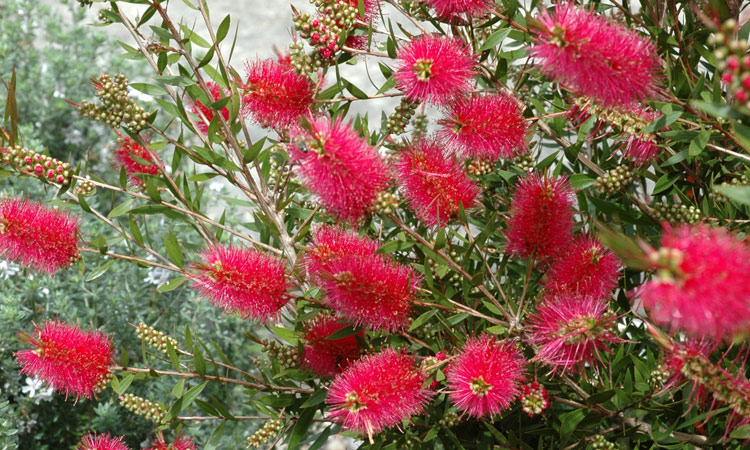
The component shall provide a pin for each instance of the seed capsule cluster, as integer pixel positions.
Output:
(142, 407)
(269, 430)
(323, 33)
(155, 338)
(534, 398)
(450, 419)
(286, 356)
(630, 122)
(116, 107)
(85, 188)
(524, 162)
(397, 122)
(386, 202)
(479, 167)
(733, 61)
(676, 213)
(614, 180)
(601, 443)
(37, 165)
(420, 125)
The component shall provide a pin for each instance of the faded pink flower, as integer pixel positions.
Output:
(93, 441)
(243, 281)
(434, 184)
(570, 331)
(331, 243)
(371, 291)
(585, 269)
(36, 237)
(377, 391)
(541, 222)
(701, 283)
(434, 69)
(484, 379)
(595, 57)
(274, 94)
(488, 127)
(215, 93)
(327, 357)
(180, 443)
(72, 361)
(453, 8)
(136, 160)
(339, 167)
(640, 148)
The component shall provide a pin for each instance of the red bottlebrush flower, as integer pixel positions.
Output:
(94, 441)
(453, 8)
(243, 281)
(585, 269)
(713, 386)
(339, 167)
(331, 243)
(700, 286)
(377, 391)
(72, 361)
(275, 94)
(37, 237)
(136, 160)
(198, 108)
(484, 378)
(327, 357)
(371, 291)
(534, 398)
(640, 148)
(434, 183)
(571, 331)
(434, 69)
(541, 222)
(595, 57)
(180, 443)
(488, 127)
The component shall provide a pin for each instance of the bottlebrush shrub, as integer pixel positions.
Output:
(489, 254)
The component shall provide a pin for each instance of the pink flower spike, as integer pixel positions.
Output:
(72, 361)
(484, 379)
(541, 222)
(94, 441)
(700, 285)
(275, 95)
(180, 443)
(434, 69)
(435, 184)
(198, 108)
(585, 269)
(243, 281)
(571, 331)
(454, 8)
(327, 357)
(341, 168)
(371, 291)
(377, 391)
(488, 127)
(332, 243)
(136, 160)
(595, 57)
(34, 236)
(641, 149)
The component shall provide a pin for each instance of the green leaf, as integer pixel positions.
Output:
(215, 439)
(223, 29)
(662, 122)
(424, 317)
(172, 284)
(494, 39)
(354, 90)
(316, 399)
(175, 80)
(664, 183)
(742, 432)
(186, 400)
(716, 109)
(580, 181)
(100, 270)
(300, 428)
(342, 333)
(699, 143)
(198, 361)
(121, 209)
(600, 397)
(286, 334)
(321, 440)
(739, 194)
(569, 423)
(149, 89)
(173, 250)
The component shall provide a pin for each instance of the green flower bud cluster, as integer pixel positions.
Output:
(397, 122)
(525, 162)
(146, 408)
(450, 419)
(614, 180)
(676, 213)
(479, 167)
(386, 202)
(155, 338)
(269, 430)
(659, 376)
(35, 164)
(286, 356)
(116, 107)
(601, 443)
(322, 33)
(420, 125)
(85, 188)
